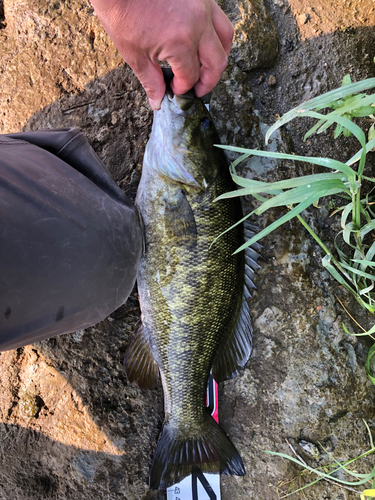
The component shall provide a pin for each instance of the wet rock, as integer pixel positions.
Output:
(255, 37)
(303, 18)
(272, 81)
(232, 108)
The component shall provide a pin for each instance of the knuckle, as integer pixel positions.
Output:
(230, 32)
(222, 64)
(185, 38)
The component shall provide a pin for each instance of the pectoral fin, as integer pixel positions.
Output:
(139, 362)
(179, 220)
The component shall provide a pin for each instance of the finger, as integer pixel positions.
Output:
(151, 77)
(186, 70)
(223, 27)
(214, 61)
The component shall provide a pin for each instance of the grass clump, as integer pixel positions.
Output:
(328, 472)
(351, 262)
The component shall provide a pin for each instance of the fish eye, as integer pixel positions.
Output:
(205, 123)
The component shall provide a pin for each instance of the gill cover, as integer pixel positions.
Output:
(181, 145)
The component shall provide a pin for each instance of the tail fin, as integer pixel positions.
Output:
(178, 454)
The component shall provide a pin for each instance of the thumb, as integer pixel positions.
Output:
(151, 77)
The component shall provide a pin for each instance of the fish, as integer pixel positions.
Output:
(193, 288)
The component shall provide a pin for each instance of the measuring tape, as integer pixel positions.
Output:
(199, 485)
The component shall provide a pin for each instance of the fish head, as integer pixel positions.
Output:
(181, 146)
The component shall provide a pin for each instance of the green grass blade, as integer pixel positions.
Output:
(358, 106)
(285, 218)
(354, 129)
(358, 272)
(233, 194)
(301, 193)
(365, 291)
(370, 332)
(338, 131)
(323, 162)
(232, 227)
(370, 364)
(322, 102)
(367, 477)
(313, 129)
(259, 198)
(264, 187)
(367, 228)
(326, 262)
(369, 434)
(369, 255)
(369, 263)
(345, 214)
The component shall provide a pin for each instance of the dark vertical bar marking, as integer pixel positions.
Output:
(197, 474)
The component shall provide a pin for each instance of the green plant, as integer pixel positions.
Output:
(350, 258)
(361, 479)
(351, 268)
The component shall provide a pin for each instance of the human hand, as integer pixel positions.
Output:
(194, 36)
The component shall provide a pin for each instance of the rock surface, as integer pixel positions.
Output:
(71, 425)
(255, 42)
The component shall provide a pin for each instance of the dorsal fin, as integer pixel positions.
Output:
(139, 361)
(235, 352)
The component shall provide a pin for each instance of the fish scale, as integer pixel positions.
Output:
(192, 289)
(197, 301)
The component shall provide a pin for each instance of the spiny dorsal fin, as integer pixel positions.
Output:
(139, 362)
(235, 352)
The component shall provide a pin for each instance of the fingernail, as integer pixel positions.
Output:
(154, 104)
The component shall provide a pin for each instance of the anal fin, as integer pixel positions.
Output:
(139, 362)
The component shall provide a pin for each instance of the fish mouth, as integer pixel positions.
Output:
(183, 101)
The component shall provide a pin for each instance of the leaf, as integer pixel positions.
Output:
(285, 218)
(301, 193)
(346, 80)
(322, 102)
(370, 364)
(313, 129)
(365, 262)
(367, 228)
(369, 434)
(291, 183)
(359, 273)
(366, 477)
(367, 493)
(338, 131)
(365, 291)
(326, 262)
(345, 214)
(345, 122)
(369, 256)
(323, 162)
(357, 156)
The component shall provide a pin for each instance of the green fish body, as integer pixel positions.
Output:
(193, 292)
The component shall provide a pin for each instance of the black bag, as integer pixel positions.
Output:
(70, 239)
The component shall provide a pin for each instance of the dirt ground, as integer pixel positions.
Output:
(71, 425)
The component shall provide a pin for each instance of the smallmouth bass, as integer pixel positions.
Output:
(193, 296)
